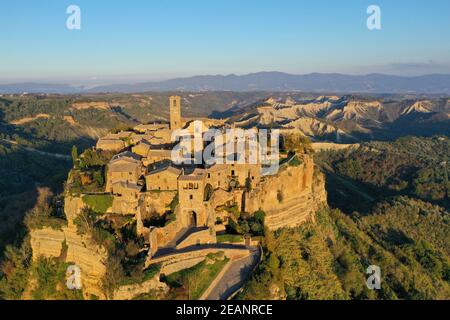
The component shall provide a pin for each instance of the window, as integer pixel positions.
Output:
(209, 175)
(191, 197)
(232, 172)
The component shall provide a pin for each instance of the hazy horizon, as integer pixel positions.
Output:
(137, 79)
(154, 41)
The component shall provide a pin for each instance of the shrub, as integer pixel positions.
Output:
(232, 238)
(295, 162)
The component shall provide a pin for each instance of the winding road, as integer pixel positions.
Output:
(237, 273)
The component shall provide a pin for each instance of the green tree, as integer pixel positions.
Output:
(75, 156)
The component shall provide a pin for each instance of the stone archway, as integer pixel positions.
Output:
(209, 190)
(192, 219)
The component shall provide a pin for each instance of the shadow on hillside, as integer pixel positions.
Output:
(22, 172)
(14, 208)
(350, 195)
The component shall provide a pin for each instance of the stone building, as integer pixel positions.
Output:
(157, 155)
(147, 128)
(141, 148)
(175, 113)
(243, 172)
(191, 197)
(165, 178)
(217, 176)
(126, 197)
(124, 167)
(115, 145)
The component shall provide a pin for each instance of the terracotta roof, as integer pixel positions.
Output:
(126, 155)
(159, 152)
(168, 169)
(127, 185)
(217, 167)
(151, 126)
(104, 141)
(190, 178)
(124, 162)
(196, 175)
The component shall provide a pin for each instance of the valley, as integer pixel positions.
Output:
(378, 155)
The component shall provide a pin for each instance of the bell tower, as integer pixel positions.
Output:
(175, 112)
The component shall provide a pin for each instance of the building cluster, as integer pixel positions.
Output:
(143, 165)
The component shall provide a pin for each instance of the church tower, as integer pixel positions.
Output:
(175, 112)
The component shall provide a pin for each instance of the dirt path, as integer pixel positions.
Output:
(44, 153)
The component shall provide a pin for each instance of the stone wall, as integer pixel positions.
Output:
(179, 261)
(162, 180)
(207, 236)
(166, 235)
(242, 172)
(158, 202)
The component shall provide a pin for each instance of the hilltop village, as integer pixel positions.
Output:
(144, 167)
(182, 210)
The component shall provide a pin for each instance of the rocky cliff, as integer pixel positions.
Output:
(81, 251)
(291, 197)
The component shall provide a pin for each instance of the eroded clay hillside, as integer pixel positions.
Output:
(348, 118)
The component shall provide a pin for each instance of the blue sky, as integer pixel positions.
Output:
(138, 40)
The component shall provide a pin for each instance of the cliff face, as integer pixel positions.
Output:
(291, 197)
(129, 292)
(90, 258)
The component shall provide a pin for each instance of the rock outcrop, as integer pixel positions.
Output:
(291, 197)
(129, 292)
(89, 257)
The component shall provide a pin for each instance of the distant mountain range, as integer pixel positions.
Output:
(263, 81)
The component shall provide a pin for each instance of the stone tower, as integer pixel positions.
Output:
(175, 112)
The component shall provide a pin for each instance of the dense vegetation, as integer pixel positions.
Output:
(391, 200)
(408, 239)
(417, 167)
(22, 174)
(401, 191)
